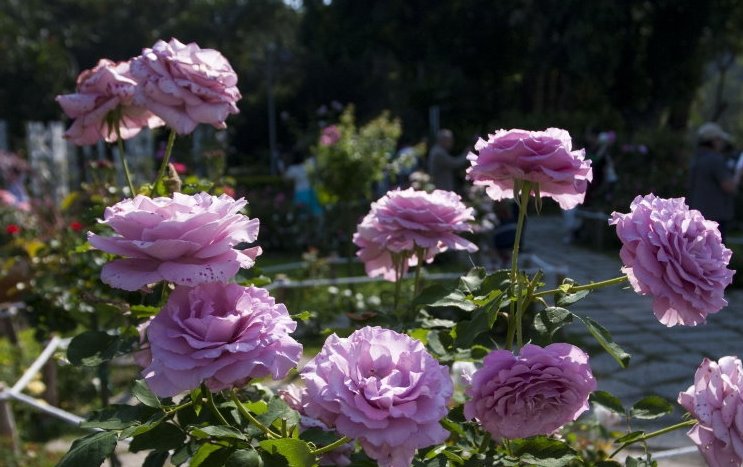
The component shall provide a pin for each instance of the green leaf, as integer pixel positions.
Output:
(142, 392)
(544, 452)
(90, 451)
(156, 459)
(92, 348)
(570, 298)
(439, 296)
(318, 436)
(209, 455)
(651, 407)
(277, 409)
(637, 462)
(468, 330)
(244, 458)
(470, 282)
(608, 463)
(144, 311)
(608, 400)
(182, 454)
(217, 431)
(295, 451)
(163, 437)
(551, 319)
(117, 417)
(604, 339)
(303, 316)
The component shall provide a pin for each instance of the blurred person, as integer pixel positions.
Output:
(712, 184)
(441, 164)
(304, 194)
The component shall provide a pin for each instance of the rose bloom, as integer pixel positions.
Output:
(673, 254)
(12, 229)
(223, 334)
(330, 135)
(534, 393)
(187, 240)
(383, 389)
(186, 85)
(104, 89)
(76, 226)
(715, 401)
(545, 158)
(405, 220)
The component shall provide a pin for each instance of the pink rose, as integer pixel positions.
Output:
(186, 85)
(223, 334)
(187, 240)
(673, 254)
(405, 221)
(544, 158)
(534, 393)
(330, 135)
(101, 92)
(715, 401)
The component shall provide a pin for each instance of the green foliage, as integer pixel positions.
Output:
(91, 450)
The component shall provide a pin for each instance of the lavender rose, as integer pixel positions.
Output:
(534, 393)
(103, 91)
(186, 239)
(186, 85)
(673, 254)
(715, 401)
(223, 334)
(544, 158)
(381, 388)
(404, 222)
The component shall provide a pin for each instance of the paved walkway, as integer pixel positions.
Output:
(663, 359)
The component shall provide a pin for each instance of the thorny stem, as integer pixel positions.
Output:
(654, 434)
(124, 163)
(578, 288)
(331, 446)
(212, 406)
(166, 159)
(246, 413)
(515, 288)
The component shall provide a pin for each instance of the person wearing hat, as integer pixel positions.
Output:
(712, 185)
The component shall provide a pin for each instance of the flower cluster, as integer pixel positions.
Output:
(543, 158)
(187, 240)
(534, 393)
(407, 226)
(716, 402)
(381, 388)
(172, 83)
(672, 253)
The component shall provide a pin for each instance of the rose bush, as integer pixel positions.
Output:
(187, 240)
(673, 254)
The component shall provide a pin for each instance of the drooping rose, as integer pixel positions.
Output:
(381, 388)
(545, 158)
(187, 240)
(223, 334)
(186, 85)
(403, 221)
(533, 393)
(673, 254)
(715, 401)
(104, 96)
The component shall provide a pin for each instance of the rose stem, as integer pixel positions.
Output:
(245, 413)
(523, 205)
(660, 432)
(331, 446)
(578, 288)
(212, 406)
(124, 163)
(166, 159)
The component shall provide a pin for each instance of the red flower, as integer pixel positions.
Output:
(12, 229)
(76, 226)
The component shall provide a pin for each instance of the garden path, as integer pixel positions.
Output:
(663, 359)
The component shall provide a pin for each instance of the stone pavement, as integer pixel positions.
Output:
(663, 359)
